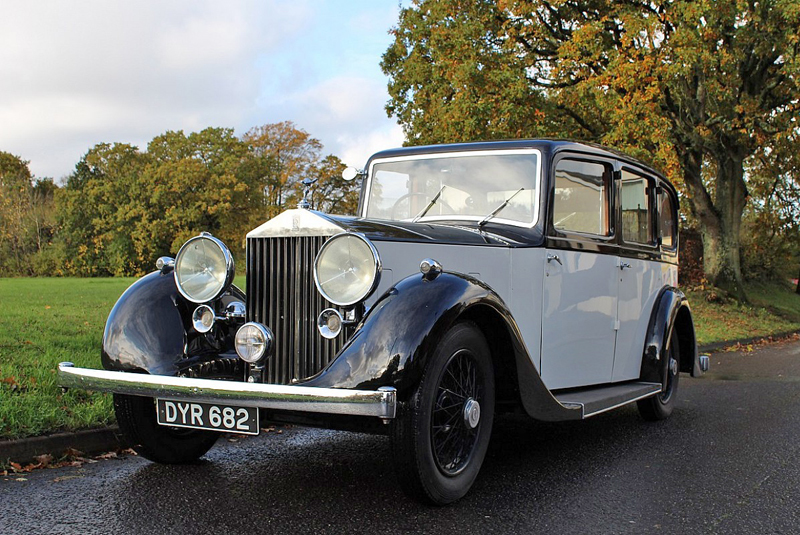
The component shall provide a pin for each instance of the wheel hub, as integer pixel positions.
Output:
(472, 413)
(673, 366)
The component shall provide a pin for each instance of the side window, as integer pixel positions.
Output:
(667, 220)
(637, 216)
(582, 196)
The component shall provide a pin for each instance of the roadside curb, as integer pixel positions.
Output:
(89, 441)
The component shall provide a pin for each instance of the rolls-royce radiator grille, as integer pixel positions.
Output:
(281, 295)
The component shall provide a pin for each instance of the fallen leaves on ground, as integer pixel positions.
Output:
(762, 342)
(71, 457)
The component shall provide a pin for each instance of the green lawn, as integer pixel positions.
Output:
(49, 320)
(43, 322)
(774, 309)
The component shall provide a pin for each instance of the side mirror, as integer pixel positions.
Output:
(351, 173)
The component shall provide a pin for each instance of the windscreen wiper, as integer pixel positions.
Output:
(430, 205)
(497, 210)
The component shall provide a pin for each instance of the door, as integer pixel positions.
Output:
(580, 286)
(642, 270)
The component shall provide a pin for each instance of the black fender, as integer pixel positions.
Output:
(150, 329)
(671, 312)
(393, 343)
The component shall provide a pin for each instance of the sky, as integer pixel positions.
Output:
(77, 73)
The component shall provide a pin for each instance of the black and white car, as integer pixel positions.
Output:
(477, 279)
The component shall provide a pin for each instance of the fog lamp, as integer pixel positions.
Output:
(253, 342)
(203, 319)
(329, 323)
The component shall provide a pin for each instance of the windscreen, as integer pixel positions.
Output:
(461, 186)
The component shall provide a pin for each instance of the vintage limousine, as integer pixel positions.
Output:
(480, 278)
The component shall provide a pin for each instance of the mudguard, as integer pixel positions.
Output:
(395, 340)
(149, 329)
(670, 312)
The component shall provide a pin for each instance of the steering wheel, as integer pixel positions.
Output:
(427, 198)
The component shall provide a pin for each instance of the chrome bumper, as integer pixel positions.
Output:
(381, 403)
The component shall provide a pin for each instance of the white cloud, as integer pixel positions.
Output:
(356, 149)
(73, 74)
(346, 113)
(78, 71)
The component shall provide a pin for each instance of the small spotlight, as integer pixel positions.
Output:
(253, 342)
(203, 319)
(330, 323)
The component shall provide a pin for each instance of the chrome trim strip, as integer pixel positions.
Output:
(379, 403)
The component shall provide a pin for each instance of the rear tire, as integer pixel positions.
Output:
(136, 416)
(440, 437)
(660, 406)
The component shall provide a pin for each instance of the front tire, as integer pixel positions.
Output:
(440, 438)
(660, 406)
(136, 417)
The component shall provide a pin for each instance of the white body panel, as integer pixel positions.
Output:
(579, 307)
(583, 321)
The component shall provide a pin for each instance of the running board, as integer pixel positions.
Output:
(596, 400)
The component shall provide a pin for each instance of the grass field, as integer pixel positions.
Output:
(774, 308)
(44, 322)
(47, 321)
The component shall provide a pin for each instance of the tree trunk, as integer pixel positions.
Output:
(797, 290)
(722, 258)
(722, 261)
(720, 219)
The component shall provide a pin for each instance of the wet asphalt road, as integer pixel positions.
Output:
(728, 461)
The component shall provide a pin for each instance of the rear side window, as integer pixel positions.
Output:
(667, 223)
(637, 216)
(582, 197)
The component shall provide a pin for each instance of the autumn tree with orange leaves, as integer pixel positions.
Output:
(697, 88)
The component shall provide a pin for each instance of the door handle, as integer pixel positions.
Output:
(551, 257)
(624, 265)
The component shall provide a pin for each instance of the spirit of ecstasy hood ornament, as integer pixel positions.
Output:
(305, 203)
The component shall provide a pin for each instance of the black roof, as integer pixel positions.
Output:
(547, 146)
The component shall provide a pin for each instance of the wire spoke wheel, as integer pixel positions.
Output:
(441, 437)
(452, 438)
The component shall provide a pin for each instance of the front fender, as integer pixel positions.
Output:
(394, 342)
(149, 329)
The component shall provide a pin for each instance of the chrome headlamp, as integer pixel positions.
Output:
(203, 268)
(347, 269)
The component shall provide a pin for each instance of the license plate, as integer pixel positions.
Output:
(214, 417)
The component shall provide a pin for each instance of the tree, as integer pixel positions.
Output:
(773, 218)
(286, 155)
(330, 193)
(99, 201)
(693, 87)
(27, 223)
(15, 193)
(452, 79)
(123, 208)
(200, 182)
